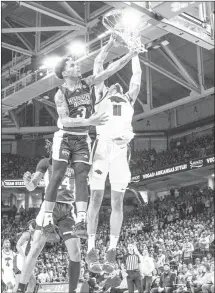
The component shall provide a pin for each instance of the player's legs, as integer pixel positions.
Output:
(31, 284)
(97, 177)
(65, 225)
(81, 164)
(60, 157)
(73, 247)
(119, 178)
(30, 261)
(81, 171)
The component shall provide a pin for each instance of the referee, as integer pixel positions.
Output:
(132, 261)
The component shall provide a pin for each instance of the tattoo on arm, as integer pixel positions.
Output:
(63, 111)
(61, 105)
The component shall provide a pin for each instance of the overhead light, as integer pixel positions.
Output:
(77, 48)
(165, 43)
(50, 62)
(156, 47)
(131, 18)
(212, 175)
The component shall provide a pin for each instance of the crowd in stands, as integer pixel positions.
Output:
(14, 166)
(166, 227)
(181, 150)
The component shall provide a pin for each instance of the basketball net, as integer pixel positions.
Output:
(131, 35)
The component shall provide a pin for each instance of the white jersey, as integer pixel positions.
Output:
(120, 110)
(7, 260)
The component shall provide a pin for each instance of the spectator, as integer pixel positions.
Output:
(167, 281)
(187, 250)
(146, 268)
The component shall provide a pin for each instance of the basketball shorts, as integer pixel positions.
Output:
(71, 147)
(64, 219)
(8, 277)
(109, 157)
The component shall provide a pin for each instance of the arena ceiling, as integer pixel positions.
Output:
(178, 67)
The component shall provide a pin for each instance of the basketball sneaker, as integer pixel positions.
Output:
(93, 261)
(110, 261)
(80, 229)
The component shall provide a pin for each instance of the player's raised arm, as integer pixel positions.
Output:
(99, 60)
(63, 113)
(99, 66)
(31, 181)
(111, 69)
(25, 237)
(134, 87)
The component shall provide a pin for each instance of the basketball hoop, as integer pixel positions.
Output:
(130, 34)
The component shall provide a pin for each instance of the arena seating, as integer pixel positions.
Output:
(14, 166)
(179, 151)
(163, 225)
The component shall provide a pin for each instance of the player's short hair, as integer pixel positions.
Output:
(60, 67)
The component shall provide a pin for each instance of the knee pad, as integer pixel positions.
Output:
(119, 187)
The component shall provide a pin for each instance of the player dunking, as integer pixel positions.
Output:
(23, 247)
(63, 217)
(74, 103)
(111, 155)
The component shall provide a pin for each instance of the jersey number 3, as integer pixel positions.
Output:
(65, 184)
(82, 112)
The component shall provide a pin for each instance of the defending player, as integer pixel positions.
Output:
(7, 265)
(74, 103)
(23, 247)
(63, 217)
(111, 155)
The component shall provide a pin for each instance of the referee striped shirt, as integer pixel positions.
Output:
(132, 262)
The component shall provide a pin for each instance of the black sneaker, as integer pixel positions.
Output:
(93, 261)
(80, 230)
(110, 261)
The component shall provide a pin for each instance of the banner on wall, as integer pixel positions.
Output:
(56, 287)
(193, 164)
(53, 287)
(17, 183)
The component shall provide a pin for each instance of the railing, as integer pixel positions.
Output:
(10, 64)
(41, 73)
(22, 83)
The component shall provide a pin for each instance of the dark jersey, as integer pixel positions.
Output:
(80, 104)
(66, 189)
